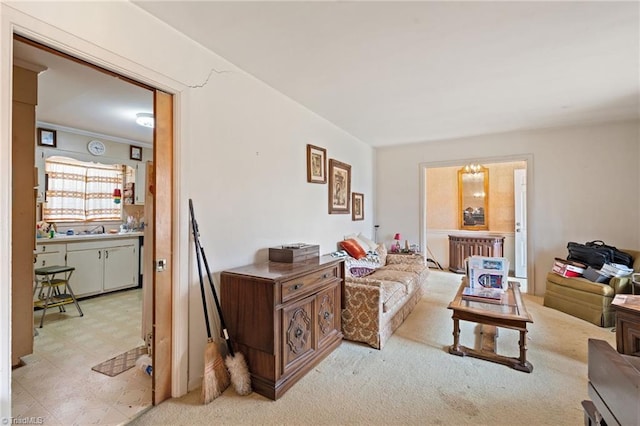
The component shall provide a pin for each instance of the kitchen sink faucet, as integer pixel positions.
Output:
(95, 228)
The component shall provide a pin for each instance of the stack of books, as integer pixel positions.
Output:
(485, 295)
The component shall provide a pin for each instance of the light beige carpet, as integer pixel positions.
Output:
(414, 380)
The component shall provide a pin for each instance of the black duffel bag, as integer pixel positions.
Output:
(619, 256)
(594, 256)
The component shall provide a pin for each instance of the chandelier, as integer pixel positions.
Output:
(473, 168)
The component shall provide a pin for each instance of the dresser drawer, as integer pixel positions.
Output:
(50, 248)
(307, 284)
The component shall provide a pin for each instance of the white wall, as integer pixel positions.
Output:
(583, 185)
(240, 154)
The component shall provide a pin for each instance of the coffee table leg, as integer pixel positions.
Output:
(523, 365)
(455, 348)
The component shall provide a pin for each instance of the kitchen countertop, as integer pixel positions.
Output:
(64, 238)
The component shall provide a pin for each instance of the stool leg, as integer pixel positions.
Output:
(46, 301)
(73, 296)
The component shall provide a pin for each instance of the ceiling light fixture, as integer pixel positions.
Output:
(145, 119)
(473, 168)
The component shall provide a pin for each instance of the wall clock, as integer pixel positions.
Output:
(96, 147)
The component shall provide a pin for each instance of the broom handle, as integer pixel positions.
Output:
(194, 225)
(200, 249)
(215, 298)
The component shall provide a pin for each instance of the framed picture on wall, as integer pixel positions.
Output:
(46, 137)
(339, 187)
(135, 152)
(316, 164)
(357, 201)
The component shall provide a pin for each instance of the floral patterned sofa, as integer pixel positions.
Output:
(378, 298)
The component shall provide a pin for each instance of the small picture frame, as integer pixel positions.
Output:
(357, 204)
(316, 164)
(339, 187)
(47, 137)
(135, 152)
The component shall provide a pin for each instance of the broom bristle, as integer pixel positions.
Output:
(216, 377)
(239, 371)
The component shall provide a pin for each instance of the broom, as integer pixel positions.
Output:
(216, 377)
(237, 365)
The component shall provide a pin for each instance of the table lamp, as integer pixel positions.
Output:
(397, 238)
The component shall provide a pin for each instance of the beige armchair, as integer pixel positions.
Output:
(585, 299)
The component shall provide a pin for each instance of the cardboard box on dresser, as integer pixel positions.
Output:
(297, 252)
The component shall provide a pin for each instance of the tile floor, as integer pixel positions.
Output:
(57, 383)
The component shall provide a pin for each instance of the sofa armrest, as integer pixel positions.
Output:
(357, 295)
(620, 285)
(414, 258)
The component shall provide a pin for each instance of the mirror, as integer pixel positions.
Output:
(473, 196)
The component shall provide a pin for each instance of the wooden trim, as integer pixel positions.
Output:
(46, 48)
(23, 213)
(162, 189)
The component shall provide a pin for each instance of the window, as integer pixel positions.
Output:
(79, 191)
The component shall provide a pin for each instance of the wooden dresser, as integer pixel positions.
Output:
(283, 317)
(627, 309)
(463, 246)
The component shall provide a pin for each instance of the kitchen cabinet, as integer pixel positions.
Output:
(121, 266)
(88, 277)
(50, 255)
(103, 266)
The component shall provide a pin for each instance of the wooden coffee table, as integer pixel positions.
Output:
(511, 313)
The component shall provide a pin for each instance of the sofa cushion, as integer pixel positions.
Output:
(361, 240)
(407, 267)
(371, 245)
(392, 293)
(407, 279)
(354, 249)
(581, 284)
(381, 250)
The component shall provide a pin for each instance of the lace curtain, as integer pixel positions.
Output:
(81, 191)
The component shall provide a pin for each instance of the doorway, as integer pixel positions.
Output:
(163, 109)
(439, 208)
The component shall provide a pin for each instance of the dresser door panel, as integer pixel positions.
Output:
(298, 337)
(328, 314)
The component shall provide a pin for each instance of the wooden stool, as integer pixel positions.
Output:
(49, 284)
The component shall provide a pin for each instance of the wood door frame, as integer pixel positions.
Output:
(422, 188)
(520, 228)
(176, 376)
(162, 188)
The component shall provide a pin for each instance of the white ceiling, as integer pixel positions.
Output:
(390, 72)
(76, 97)
(402, 72)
